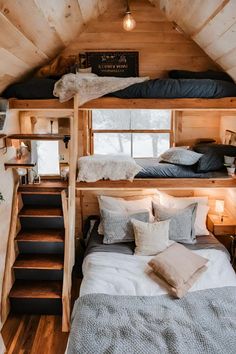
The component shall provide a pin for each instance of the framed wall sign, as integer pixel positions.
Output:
(120, 64)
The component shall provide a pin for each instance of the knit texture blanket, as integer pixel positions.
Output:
(90, 86)
(204, 322)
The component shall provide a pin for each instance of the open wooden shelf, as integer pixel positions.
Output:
(24, 161)
(38, 136)
(165, 183)
(226, 103)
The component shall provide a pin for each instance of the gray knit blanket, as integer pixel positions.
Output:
(204, 322)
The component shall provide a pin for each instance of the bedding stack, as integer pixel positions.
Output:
(127, 300)
(160, 226)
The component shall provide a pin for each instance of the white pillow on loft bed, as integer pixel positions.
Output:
(113, 167)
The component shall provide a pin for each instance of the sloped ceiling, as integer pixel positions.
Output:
(210, 23)
(35, 31)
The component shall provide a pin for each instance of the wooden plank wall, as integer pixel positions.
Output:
(190, 125)
(160, 46)
(50, 26)
(211, 24)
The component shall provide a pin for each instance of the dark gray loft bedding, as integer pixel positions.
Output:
(181, 88)
(152, 168)
(42, 88)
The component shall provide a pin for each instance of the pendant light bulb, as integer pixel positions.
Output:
(129, 22)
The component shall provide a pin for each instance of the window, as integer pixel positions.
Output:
(48, 158)
(138, 133)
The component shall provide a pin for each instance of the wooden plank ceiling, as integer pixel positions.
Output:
(210, 23)
(33, 32)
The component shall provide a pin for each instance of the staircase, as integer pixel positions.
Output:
(38, 268)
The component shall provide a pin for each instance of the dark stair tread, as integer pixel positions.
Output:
(42, 289)
(47, 187)
(41, 235)
(39, 262)
(40, 212)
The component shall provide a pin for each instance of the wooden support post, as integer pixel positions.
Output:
(70, 218)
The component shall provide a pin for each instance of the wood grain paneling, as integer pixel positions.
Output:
(34, 334)
(191, 125)
(211, 24)
(52, 25)
(160, 46)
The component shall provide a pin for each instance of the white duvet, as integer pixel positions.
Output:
(120, 274)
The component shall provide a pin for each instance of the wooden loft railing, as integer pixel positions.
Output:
(160, 183)
(227, 103)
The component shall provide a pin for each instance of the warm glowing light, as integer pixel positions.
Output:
(219, 208)
(129, 22)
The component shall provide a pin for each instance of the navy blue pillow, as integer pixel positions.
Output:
(209, 74)
(213, 156)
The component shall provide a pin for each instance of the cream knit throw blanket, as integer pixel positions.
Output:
(90, 86)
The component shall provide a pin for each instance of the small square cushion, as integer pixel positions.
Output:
(180, 156)
(118, 227)
(181, 227)
(179, 268)
(150, 238)
(124, 206)
(169, 201)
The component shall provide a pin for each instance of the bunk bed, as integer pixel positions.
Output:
(220, 104)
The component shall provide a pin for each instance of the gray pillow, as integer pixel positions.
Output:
(180, 156)
(181, 222)
(118, 227)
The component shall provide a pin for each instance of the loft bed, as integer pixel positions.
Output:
(160, 183)
(226, 103)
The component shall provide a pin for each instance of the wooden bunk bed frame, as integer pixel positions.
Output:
(73, 110)
(227, 103)
(179, 104)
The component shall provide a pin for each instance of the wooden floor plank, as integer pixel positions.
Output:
(34, 335)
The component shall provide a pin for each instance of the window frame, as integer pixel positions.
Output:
(130, 131)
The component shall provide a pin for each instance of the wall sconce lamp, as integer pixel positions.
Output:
(219, 208)
(129, 22)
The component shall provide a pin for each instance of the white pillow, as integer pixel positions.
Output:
(151, 238)
(124, 206)
(169, 201)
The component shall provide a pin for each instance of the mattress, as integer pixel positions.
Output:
(114, 270)
(152, 168)
(181, 88)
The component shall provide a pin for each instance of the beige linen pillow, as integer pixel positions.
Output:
(179, 268)
(151, 238)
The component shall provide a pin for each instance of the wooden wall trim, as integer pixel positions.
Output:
(11, 253)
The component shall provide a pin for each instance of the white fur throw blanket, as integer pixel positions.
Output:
(113, 167)
(90, 86)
